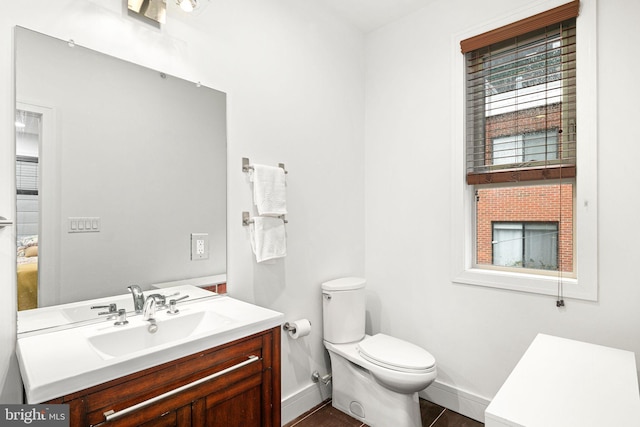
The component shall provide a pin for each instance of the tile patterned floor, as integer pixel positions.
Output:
(325, 415)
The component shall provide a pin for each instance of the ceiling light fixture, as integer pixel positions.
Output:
(187, 5)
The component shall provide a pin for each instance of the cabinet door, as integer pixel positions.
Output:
(177, 418)
(238, 406)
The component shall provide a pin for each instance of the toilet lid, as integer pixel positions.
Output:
(394, 353)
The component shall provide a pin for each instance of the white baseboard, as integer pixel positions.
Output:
(460, 401)
(300, 402)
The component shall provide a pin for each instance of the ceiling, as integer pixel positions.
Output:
(368, 15)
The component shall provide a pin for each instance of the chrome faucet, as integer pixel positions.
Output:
(149, 310)
(149, 314)
(138, 297)
(151, 303)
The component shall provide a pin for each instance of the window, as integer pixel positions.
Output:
(526, 227)
(28, 129)
(525, 244)
(521, 116)
(524, 201)
(27, 203)
(27, 175)
(527, 147)
(521, 107)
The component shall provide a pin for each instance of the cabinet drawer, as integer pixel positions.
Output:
(239, 380)
(149, 410)
(157, 381)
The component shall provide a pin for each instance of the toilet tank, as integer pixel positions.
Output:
(343, 310)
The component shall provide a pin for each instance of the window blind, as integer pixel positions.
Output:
(27, 175)
(521, 100)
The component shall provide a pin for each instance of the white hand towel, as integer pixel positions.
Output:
(269, 190)
(268, 238)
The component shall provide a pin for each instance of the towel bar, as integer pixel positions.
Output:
(246, 219)
(246, 166)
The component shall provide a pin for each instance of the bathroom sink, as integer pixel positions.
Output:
(132, 338)
(92, 354)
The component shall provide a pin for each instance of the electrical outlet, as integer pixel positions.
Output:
(199, 246)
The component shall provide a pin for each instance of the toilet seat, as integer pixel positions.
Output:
(395, 354)
(400, 380)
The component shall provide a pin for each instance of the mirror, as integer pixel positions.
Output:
(117, 166)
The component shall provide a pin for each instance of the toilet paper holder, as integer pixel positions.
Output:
(289, 327)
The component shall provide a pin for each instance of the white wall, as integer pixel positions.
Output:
(478, 334)
(294, 80)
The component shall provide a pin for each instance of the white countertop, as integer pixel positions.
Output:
(61, 362)
(564, 383)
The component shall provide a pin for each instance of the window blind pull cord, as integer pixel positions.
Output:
(560, 296)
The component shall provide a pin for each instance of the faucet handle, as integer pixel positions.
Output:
(122, 318)
(161, 300)
(172, 305)
(112, 307)
(113, 310)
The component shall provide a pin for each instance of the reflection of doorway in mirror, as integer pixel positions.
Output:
(37, 139)
(28, 137)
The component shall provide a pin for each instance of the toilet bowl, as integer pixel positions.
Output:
(376, 378)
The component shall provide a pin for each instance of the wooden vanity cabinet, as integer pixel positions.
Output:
(233, 385)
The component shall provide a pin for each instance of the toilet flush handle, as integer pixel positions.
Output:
(326, 295)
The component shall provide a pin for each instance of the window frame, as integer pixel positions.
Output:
(463, 270)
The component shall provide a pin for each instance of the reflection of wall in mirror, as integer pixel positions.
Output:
(144, 152)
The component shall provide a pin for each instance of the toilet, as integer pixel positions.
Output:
(376, 378)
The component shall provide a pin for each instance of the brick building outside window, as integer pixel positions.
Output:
(529, 226)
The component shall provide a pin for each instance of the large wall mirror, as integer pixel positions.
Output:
(117, 166)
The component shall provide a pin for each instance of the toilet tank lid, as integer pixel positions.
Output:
(344, 284)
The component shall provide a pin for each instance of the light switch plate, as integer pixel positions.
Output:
(83, 224)
(199, 246)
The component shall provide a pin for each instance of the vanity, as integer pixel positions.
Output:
(214, 363)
